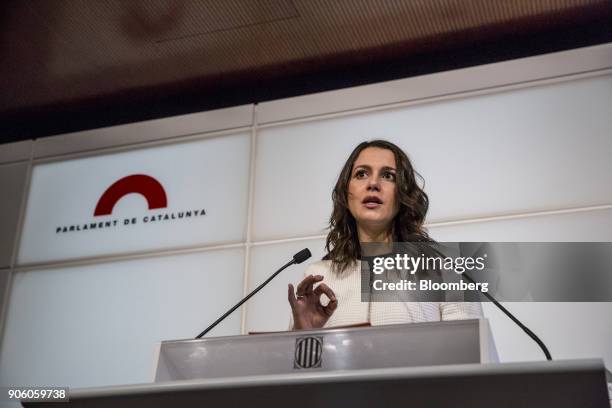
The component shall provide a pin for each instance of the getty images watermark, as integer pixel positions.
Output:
(464, 271)
(405, 264)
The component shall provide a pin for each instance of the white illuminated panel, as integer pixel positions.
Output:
(570, 330)
(297, 168)
(100, 325)
(537, 148)
(209, 175)
(269, 310)
(583, 226)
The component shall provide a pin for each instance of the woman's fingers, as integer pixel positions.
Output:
(333, 302)
(291, 296)
(305, 286)
(331, 306)
(323, 288)
(308, 312)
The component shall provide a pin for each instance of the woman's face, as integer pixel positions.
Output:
(372, 189)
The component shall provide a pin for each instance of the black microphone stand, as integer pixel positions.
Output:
(297, 259)
(514, 319)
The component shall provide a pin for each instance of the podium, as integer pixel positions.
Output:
(440, 364)
(402, 345)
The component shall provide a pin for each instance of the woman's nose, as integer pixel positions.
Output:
(373, 184)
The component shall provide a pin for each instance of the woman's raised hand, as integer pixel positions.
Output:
(308, 312)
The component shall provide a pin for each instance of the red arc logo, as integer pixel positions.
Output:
(150, 188)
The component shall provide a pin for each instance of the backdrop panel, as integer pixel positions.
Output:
(100, 324)
(529, 149)
(269, 310)
(171, 196)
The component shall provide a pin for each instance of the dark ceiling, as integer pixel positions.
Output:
(76, 64)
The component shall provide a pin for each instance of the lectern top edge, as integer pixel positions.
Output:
(330, 330)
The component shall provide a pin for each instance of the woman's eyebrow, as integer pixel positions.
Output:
(368, 167)
(362, 166)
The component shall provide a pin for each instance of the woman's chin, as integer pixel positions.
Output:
(374, 221)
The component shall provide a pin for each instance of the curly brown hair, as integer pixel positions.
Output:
(342, 243)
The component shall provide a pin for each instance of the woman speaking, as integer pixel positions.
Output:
(376, 200)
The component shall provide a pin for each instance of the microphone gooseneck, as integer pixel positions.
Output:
(298, 258)
(515, 320)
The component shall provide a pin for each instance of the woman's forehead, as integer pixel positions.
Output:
(375, 157)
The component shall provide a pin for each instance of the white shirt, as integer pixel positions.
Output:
(351, 309)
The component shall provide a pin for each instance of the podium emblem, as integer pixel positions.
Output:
(308, 352)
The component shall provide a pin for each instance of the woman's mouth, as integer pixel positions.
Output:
(372, 202)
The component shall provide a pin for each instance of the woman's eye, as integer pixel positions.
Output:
(360, 173)
(389, 176)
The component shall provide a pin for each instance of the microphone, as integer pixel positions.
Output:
(514, 319)
(298, 258)
(301, 256)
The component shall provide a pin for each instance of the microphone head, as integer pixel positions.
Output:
(301, 256)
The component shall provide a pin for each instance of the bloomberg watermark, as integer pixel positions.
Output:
(510, 271)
